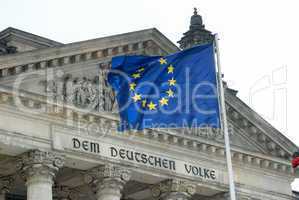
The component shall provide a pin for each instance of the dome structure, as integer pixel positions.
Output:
(196, 20)
(197, 34)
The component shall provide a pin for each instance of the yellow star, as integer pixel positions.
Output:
(144, 103)
(136, 97)
(170, 69)
(162, 61)
(170, 93)
(132, 86)
(172, 81)
(152, 106)
(141, 69)
(163, 101)
(136, 75)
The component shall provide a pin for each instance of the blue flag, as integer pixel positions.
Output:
(175, 91)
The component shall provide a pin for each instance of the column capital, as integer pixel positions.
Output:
(109, 180)
(111, 172)
(39, 163)
(173, 189)
(6, 183)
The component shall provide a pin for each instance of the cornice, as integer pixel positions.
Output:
(191, 143)
(90, 49)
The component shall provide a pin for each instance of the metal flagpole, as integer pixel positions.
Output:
(224, 124)
(100, 88)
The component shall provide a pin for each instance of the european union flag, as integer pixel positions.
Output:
(178, 90)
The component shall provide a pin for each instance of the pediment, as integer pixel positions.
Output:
(240, 140)
(99, 48)
(250, 132)
(25, 41)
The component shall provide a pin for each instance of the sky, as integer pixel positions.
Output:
(259, 40)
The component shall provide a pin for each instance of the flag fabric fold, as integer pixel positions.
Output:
(173, 91)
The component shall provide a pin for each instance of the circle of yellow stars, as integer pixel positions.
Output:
(163, 101)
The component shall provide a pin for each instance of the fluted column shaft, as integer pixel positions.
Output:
(109, 181)
(38, 168)
(39, 187)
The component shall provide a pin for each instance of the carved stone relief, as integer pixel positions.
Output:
(93, 93)
(83, 93)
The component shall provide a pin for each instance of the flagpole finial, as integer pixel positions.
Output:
(195, 11)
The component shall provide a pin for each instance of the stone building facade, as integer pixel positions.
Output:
(59, 139)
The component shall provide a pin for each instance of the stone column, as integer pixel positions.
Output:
(5, 186)
(109, 181)
(173, 189)
(38, 168)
